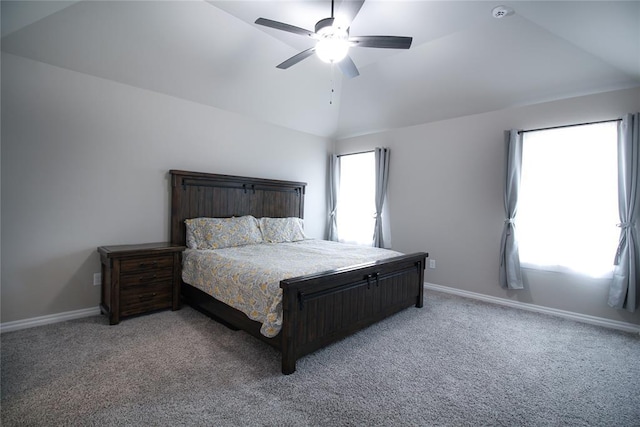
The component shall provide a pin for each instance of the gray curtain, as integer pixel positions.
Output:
(623, 292)
(334, 185)
(510, 272)
(381, 234)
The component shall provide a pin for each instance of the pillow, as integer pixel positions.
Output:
(279, 230)
(218, 233)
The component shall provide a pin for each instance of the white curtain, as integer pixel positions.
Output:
(334, 186)
(623, 292)
(510, 271)
(382, 234)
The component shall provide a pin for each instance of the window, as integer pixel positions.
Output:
(568, 200)
(356, 199)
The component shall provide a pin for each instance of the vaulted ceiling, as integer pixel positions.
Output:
(463, 60)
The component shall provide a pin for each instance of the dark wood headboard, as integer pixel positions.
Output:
(196, 194)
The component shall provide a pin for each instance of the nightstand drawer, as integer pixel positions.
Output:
(146, 264)
(145, 298)
(141, 278)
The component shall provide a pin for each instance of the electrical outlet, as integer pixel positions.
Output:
(432, 263)
(97, 279)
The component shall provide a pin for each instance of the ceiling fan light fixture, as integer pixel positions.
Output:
(333, 45)
(333, 41)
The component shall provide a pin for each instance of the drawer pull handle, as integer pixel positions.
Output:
(145, 265)
(147, 297)
(142, 278)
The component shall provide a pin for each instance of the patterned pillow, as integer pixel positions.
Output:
(278, 230)
(218, 233)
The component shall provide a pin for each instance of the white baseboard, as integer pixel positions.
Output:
(593, 320)
(46, 320)
(599, 321)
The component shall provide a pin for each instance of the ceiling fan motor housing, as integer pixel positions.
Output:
(324, 23)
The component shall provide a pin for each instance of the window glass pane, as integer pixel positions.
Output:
(568, 201)
(356, 200)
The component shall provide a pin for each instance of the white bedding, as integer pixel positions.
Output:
(248, 277)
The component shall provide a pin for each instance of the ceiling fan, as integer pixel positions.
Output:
(334, 41)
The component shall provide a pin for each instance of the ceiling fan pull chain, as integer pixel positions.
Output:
(333, 66)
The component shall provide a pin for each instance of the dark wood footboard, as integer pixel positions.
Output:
(322, 308)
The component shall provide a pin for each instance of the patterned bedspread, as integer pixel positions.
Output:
(248, 277)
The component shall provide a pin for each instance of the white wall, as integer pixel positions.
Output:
(445, 190)
(85, 163)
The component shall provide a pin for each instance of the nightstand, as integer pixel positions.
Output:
(138, 279)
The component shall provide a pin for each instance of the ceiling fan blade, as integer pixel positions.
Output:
(349, 9)
(284, 27)
(387, 42)
(296, 58)
(348, 68)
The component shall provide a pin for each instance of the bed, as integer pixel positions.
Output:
(316, 309)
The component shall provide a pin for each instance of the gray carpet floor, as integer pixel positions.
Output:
(455, 362)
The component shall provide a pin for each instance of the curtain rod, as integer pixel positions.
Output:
(568, 126)
(353, 154)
